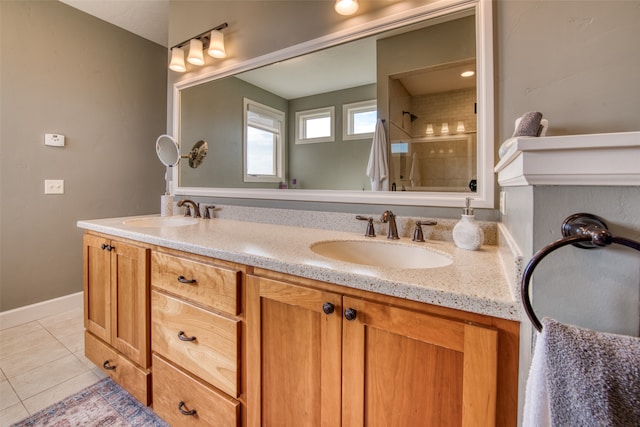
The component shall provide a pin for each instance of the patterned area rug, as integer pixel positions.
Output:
(102, 404)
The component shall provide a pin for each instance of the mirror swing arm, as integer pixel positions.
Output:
(483, 198)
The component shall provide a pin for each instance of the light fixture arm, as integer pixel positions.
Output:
(202, 36)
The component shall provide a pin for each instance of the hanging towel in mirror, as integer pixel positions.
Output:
(588, 378)
(378, 167)
(415, 175)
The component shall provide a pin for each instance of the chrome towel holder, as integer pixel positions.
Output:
(582, 230)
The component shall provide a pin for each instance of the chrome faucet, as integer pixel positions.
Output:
(187, 212)
(388, 216)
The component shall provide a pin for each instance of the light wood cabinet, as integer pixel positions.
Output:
(388, 364)
(233, 345)
(196, 341)
(116, 309)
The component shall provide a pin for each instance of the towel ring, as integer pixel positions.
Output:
(585, 231)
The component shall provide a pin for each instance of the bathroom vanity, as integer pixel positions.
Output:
(236, 323)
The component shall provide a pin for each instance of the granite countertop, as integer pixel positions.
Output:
(476, 281)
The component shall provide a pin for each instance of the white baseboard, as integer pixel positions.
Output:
(29, 313)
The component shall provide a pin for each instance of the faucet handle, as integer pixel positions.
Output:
(208, 212)
(371, 232)
(418, 236)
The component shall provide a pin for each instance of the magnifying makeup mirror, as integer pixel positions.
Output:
(169, 154)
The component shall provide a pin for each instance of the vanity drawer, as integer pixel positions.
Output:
(212, 286)
(171, 386)
(207, 347)
(135, 380)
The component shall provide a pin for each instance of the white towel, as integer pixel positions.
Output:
(378, 167)
(415, 176)
(536, 405)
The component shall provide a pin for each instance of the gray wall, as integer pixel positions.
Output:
(215, 113)
(337, 165)
(575, 61)
(63, 71)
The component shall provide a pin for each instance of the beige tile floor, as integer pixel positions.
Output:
(41, 363)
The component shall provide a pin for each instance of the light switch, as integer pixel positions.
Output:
(54, 139)
(54, 186)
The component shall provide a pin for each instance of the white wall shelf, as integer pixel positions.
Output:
(596, 159)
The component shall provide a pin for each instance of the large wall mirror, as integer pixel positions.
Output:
(299, 124)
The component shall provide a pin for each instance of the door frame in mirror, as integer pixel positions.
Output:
(483, 198)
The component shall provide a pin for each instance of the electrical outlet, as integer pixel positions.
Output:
(54, 186)
(54, 139)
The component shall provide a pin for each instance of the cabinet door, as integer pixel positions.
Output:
(130, 302)
(97, 293)
(293, 355)
(402, 367)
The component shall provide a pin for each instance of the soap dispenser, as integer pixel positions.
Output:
(467, 234)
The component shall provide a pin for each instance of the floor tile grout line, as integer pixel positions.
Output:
(55, 385)
(68, 352)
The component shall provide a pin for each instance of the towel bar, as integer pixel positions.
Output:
(583, 230)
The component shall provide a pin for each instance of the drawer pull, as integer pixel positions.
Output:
(183, 337)
(108, 366)
(183, 279)
(328, 308)
(183, 412)
(350, 314)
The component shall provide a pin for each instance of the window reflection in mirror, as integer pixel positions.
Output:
(264, 143)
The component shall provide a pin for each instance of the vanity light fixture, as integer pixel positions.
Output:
(195, 52)
(212, 40)
(177, 60)
(346, 7)
(445, 128)
(429, 129)
(216, 44)
(460, 127)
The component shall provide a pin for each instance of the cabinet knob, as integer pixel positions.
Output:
(107, 247)
(328, 308)
(183, 337)
(185, 412)
(350, 314)
(183, 279)
(108, 366)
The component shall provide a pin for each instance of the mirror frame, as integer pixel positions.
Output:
(484, 198)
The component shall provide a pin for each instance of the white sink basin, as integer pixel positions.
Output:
(159, 222)
(381, 254)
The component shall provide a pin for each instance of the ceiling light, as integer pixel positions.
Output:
(346, 7)
(177, 60)
(467, 73)
(212, 40)
(195, 52)
(216, 44)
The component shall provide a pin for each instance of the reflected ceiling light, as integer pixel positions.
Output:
(467, 73)
(195, 52)
(346, 7)
(216, 45)
(177, 60)
(212, 40)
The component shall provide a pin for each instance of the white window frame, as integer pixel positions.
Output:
(348, 111)
(280, 142)
(301, 124)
